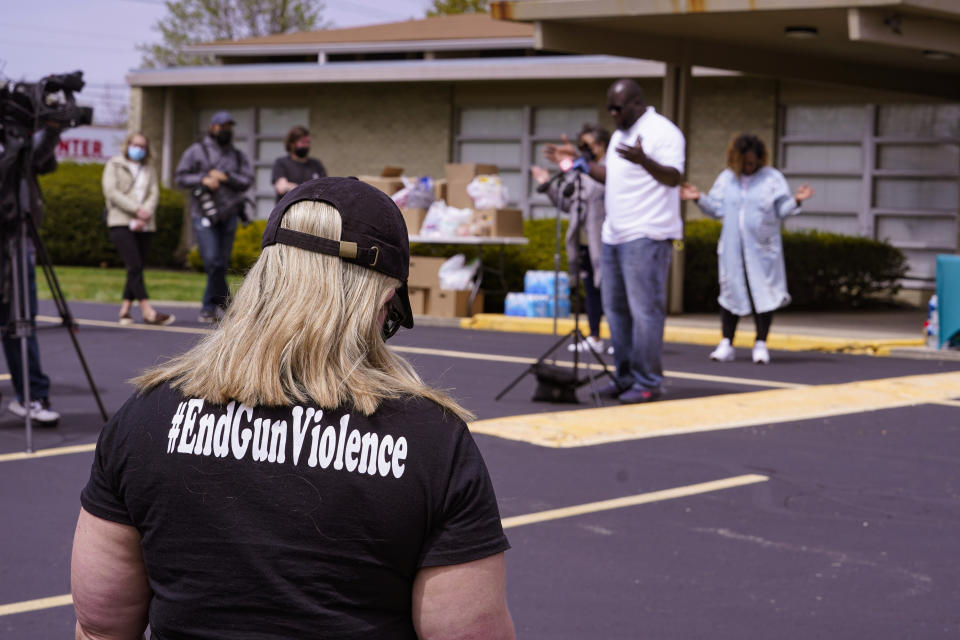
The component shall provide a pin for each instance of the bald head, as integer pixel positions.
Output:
(625, 102)
(627, 88)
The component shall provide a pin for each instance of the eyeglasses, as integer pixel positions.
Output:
(394, 318)
(615, 108)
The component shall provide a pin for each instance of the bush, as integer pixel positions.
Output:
(73, 228)
(824, 270)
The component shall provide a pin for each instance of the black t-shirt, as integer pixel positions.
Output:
(296, 172)
(291, 522)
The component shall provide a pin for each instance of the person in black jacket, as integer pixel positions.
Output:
(218, 176)
(27, 190)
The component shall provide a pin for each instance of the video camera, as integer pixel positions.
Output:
(29, 105)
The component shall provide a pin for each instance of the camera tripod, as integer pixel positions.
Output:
(17, 236)
(564, 383)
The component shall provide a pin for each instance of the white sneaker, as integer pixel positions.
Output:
(724, 352)
(760, 353)
(40, 412)
(589, 343)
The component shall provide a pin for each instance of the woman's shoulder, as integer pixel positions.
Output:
(770, 173)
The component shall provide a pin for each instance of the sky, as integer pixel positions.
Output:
(99, 37)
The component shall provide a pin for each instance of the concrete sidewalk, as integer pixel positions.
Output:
(895, 332)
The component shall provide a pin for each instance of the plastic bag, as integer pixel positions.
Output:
(488, 192)
(456, 274)
(443, 221)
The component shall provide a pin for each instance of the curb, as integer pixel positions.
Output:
(701, 336)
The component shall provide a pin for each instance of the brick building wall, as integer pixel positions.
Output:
(720, 108)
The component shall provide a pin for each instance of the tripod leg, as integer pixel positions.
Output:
(66, 317)
(23, 327)
(529, 369)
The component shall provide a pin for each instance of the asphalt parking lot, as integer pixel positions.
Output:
(813, 497)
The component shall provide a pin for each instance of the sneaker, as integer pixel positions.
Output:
(724, 352)
(40, 412)
(125, 318)
(161, 319)
(638, 395)
(611, 391)
(585, 345)
(760, 353)
(207, 317)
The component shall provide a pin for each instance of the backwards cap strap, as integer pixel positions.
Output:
(342, 249)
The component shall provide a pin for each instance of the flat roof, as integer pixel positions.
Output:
(448, 70)
(903, 45)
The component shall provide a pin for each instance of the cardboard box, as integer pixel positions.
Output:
(440, 190)
(425, 272)
(418, 300)
(459, 176)
(388, 185)
(414, 219)
(388, 181)
(501, 223)
(464, 172)
(443, 303)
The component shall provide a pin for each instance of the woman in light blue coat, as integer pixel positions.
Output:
(752, 199)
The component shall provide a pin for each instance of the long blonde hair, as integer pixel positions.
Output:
(302, 327)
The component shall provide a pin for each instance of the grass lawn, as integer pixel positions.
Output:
(106, 285)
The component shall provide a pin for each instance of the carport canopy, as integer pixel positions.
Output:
(900, 45)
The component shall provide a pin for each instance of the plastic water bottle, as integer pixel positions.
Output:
(932, 325)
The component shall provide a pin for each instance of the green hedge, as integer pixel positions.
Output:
(73, 228)
(824, 270)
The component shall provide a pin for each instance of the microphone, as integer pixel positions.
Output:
(566, 165)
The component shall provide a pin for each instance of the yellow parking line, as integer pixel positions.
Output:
(515, 521)
(630, 501)
(46, 453)
(36, 605)
(629, 422)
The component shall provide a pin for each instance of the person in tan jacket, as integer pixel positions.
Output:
(131, 192)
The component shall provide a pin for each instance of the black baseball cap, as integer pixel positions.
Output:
(373, 232)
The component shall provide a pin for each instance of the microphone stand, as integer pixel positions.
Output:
(563, 384)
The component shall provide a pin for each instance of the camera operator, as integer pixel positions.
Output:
(217, 175)
(45, 143)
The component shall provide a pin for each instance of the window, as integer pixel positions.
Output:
(889, 172)
(513, 138)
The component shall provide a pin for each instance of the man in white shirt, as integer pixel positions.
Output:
(644, 168)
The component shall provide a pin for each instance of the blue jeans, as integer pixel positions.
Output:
(215, 244)
(635, 302)
(39, 382)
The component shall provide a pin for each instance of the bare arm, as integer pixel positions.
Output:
(108, 580)
(463, 601)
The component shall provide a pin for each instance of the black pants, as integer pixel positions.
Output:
(761, 320)
(132, 248)
(594, 306)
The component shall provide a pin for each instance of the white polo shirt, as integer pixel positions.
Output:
(637, 205)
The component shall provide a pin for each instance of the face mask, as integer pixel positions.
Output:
(224, 137)
(301, 152)
(136, 153)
